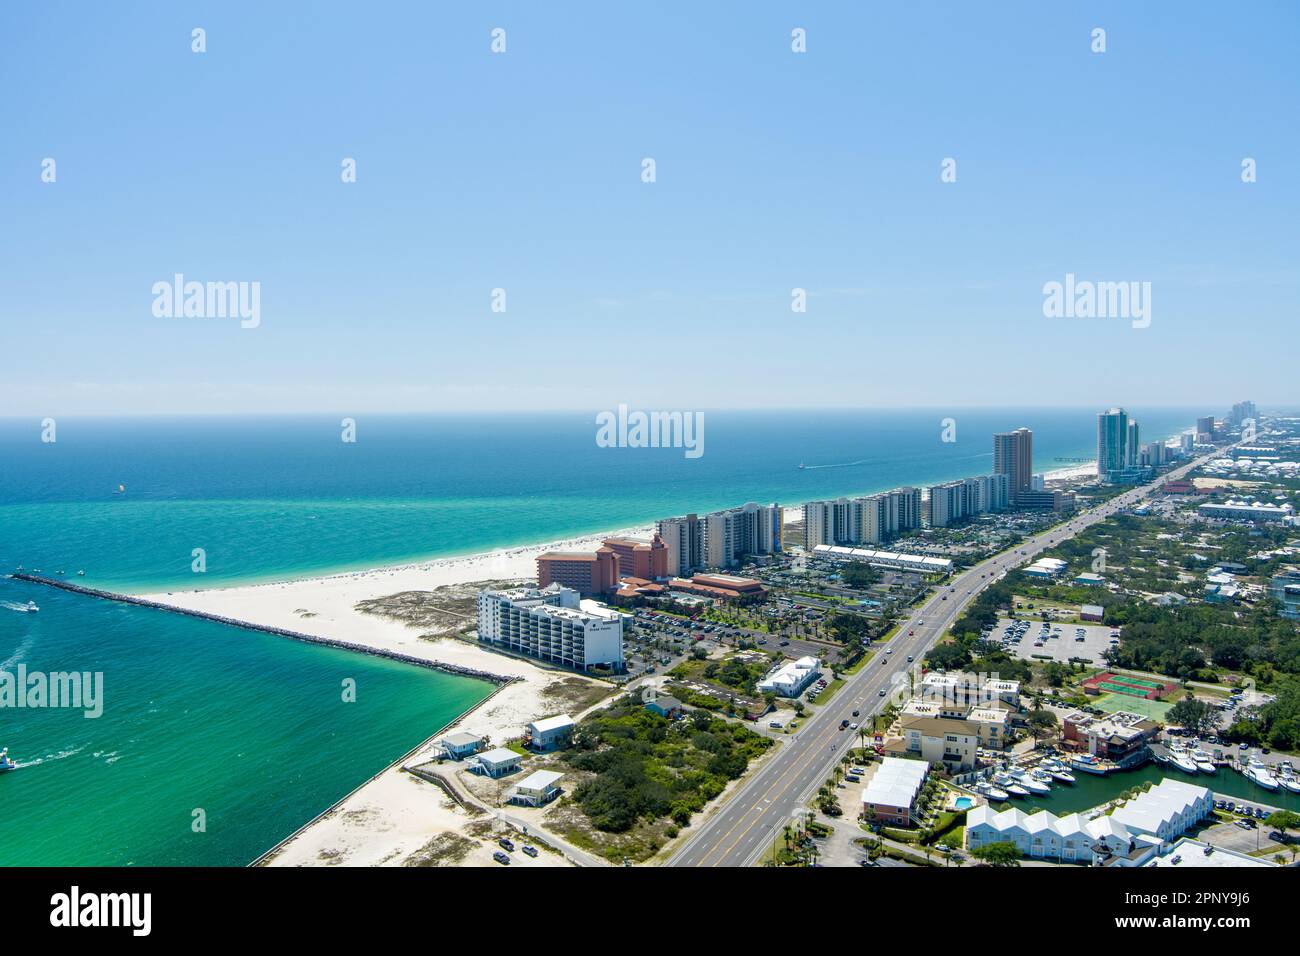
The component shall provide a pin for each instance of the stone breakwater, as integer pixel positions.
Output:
(455, 669)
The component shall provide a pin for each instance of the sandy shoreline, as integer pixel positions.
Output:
(392, 819)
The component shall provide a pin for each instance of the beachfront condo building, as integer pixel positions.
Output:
(552, 624)
(1112, 437)
(1205, 429)
(720, 539)
(954, 501)
(1013, 456)
(873, 519)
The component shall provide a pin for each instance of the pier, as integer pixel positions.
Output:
(455, 669)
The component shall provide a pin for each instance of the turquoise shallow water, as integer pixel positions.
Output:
(250, 727)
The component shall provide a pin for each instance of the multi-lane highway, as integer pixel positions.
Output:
(745, 825)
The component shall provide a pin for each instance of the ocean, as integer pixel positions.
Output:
(251, 728)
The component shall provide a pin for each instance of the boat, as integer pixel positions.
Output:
(1028, 781)
(987, 790)
(1008, 783)
(1258, 774)
(1289, 781)
(5, 762)
(31, 607)
(81, 574)
(1204, 762)
(1088, 763)
(1180, 759)
(1042, 776)
(1063, 775)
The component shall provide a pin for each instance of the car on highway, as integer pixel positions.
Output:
(910, 658)
(882, 692)
(855, 713)
(844, 723)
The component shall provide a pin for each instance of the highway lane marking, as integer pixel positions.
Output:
(995, 563)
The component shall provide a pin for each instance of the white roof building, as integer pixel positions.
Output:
(884, 559)
(791, 678)
(1167, 809)
(497, 761)
(896, 783)
(1143, 824)
(537, 788)
(1046, 567)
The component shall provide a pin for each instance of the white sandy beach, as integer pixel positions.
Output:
(330, 603)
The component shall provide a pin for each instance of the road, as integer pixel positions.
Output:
(739, 832)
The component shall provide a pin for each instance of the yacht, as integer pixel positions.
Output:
(1287, 779)
(1088, 763)
(1058, 771)
(987, 790)
(1028, 781)
(1008, 783)
(1180, 759)
(1259, 775)
(1042, 776)
(1204, 762)
(5, 762)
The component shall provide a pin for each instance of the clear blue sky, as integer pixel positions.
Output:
(522, 171)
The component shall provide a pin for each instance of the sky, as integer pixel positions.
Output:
(523, 171)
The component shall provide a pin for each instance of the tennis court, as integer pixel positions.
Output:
(1111, 703)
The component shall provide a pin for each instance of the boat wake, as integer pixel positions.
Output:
(48, 758)
(840, 464)
(18, 655)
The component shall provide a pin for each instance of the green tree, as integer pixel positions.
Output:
(997, 854)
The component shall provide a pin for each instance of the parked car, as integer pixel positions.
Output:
(506, 844)
(530, 850)
(501, 858)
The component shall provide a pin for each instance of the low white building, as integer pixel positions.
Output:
(536, 789)
(1046, 568)
(497, 762)
(790, 679)
(890, 795)
(884, 559)
(1167, 810)
(460, 744)
(1130, 835)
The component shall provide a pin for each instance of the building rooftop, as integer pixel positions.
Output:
(1186, 853)
(539, 780)
(498, 755)
(558, 722)
(461, 738)
(896, 782)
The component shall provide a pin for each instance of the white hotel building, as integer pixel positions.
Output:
(552, 624)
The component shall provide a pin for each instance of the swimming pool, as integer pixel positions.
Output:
(963, 803)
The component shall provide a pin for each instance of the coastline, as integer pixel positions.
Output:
(388, 819)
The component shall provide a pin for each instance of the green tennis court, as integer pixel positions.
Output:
(1110, 703)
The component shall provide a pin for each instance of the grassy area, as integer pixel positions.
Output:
(643, 777)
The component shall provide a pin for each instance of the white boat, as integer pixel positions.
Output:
(987, 790)
(1180, 759)
(1029, 782)
(5, 762)
(1259, 775)
(1008, 783)
(1062, 775)
(31, 607)
(1289, 781)
(1042, 776)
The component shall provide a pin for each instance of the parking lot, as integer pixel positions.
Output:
(1059, 643)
